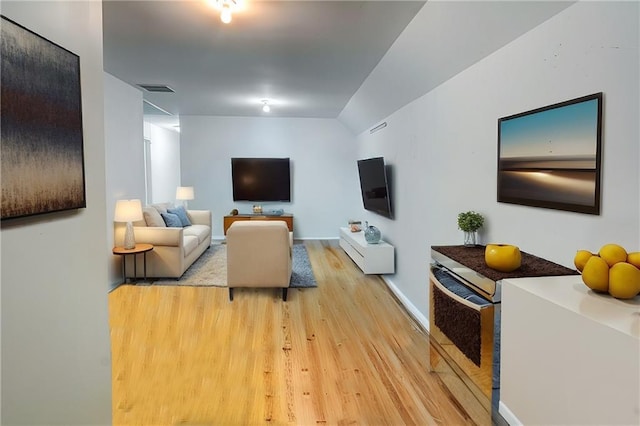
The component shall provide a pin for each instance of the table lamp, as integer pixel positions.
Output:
(128, 211)
(184, 193)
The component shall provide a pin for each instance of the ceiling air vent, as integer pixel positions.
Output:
(158, 88)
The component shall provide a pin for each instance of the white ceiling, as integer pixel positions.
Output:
(306, 57)
(309, 58)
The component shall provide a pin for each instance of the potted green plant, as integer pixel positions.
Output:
(470, 222)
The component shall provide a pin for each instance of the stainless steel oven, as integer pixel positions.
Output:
(464, 320)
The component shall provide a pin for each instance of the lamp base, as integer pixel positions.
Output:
(129, 237)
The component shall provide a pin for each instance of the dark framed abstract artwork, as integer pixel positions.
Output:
(41, 125)
(551, 157)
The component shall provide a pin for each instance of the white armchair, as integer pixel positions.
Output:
(258, 255)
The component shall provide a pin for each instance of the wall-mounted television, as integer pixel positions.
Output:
(261, 179)
(550, 157)
(374, 185)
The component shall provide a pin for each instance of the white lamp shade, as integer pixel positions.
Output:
(184, 193)
(128, 211)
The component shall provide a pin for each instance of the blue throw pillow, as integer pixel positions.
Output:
(182, 214)
(172, 220)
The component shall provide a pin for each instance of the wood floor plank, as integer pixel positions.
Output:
(345, 352)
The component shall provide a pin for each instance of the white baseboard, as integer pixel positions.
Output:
(219, 238)
(410, 307)
(507, 415)
(317, 238)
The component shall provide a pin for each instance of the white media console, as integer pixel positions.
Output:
(371, 258)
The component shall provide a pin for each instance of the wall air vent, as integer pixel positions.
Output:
(157, 88)
(378, 127)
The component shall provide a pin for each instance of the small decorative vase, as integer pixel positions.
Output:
(371, 234)
(502, 257)
(469, 238)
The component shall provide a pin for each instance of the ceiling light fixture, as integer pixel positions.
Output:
(265, 106)
(226, 8)
(225, 15)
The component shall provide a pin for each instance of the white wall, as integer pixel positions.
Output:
(444, 38)
(125, 131)
(322, 154)
(165, 163)
(124, 155)
(444, 145)
(56, 366)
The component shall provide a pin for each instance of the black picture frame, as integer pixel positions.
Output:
(550, 157)
(41, 134)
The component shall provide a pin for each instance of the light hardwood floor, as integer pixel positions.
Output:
(342, 353)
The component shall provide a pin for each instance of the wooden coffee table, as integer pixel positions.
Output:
(139, 248)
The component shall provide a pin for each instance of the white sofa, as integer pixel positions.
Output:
(174, 248)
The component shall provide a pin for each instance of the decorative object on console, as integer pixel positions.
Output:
(354, 225)
(128, 211)
(502, 257)
(185, 193)
(550, 157)
(42, 157)
(371, 234)
(257, 209)
(469, 222)
(233, 212)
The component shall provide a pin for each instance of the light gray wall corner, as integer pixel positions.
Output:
(56, 358)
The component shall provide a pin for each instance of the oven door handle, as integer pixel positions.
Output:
(455, 297)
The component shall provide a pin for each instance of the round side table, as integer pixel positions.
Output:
(139, 248)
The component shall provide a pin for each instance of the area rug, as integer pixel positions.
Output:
(211, 269)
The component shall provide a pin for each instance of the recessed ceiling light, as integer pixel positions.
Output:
(265, 106)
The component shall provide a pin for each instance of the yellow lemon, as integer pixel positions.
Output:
(624, 280)
(596, 274)
(581, 259)
(613, 253)
(634, 258)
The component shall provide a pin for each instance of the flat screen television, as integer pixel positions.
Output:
(374, 186)
(261, 179)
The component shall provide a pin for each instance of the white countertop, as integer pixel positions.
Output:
(569, 356)
(572, 294)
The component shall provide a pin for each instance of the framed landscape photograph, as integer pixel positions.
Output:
(42, 164)
(550, 157)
